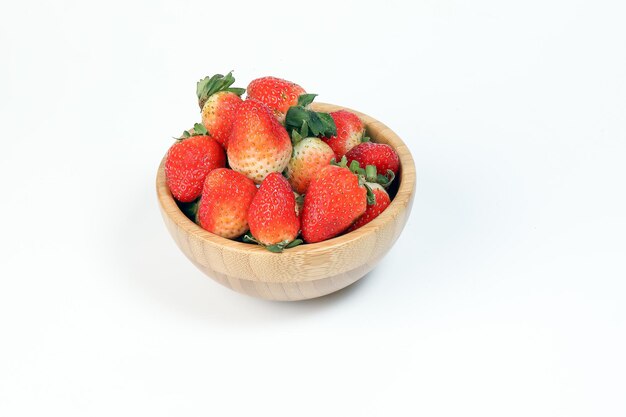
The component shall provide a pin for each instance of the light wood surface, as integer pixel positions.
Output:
(306, 271)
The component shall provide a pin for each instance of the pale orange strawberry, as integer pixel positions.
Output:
(226, 198)
(218, 102)
(310, 155)
(258, 145)
(218, 114)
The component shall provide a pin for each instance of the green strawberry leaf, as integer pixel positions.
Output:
(199, 130)
(185, 135)
(285, 244)
(385, 180)
(371, 198)
(306, 99)
(208, 86)
(248, 238)
(356, 168)
(295, 116)
(295, 137)
(315, 123)
(294, 243)
(343, 163)
(237, 90)
(304, 130)
(329, 124)
(319, 124)
(276, 248)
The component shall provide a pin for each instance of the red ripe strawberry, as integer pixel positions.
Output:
(223, 207)
(350, 132)
(276, 93)
(382, 156)
(258, 144)
(188, 162)
(372, 211)
(218, 102)
(334, 200)
(272, 214)
(310, 155)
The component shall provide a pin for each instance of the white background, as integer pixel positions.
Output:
(504, 296)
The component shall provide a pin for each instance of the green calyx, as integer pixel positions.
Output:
(366, 175)
(343, 163)
(198, 130)
(371, 198)
(277, 247)
(318, 124)
(361, 173)
(297, 136)
(285, 244)
(306, 99)
(208, 86)
(370, 174)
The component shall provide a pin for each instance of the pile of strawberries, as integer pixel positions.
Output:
(271, 171)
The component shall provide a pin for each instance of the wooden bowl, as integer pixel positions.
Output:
(306, 271)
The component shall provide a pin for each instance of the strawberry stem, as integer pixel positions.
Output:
(248, 238)
(370, 173)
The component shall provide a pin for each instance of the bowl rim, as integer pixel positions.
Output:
(400, 202)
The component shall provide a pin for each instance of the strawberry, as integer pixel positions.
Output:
(226, 197)
(276, 93)
(334, 200)
(350, 132)
(258, 144)
(188, 162)
(218, 113)
(272, 214)
(372, 211)
(218, 102)
(382, 156)
(310, 155)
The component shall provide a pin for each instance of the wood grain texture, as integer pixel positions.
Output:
(306, 271)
